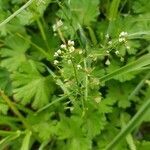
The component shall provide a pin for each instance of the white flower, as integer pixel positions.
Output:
(69, 61)
(71, 49)
(127, 47)
(117, 52)
(71, 43)
(110, 42)
(59, 23)
(54, 28)
(56, 54)
(107, 62)
(107, 52)
(122, 40)
(79, 67)
(80, 52)
(56, 62)
(63, 46)
(123, 34)
(59, 51)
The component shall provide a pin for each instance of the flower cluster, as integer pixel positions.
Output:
(66, 52)
(122, 36)
(57, 25)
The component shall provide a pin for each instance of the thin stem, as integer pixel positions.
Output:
(60, 5)
(43, 33)
(15, 110)
(129, 137)
(139, 86)
(86, 81)
(6, 133)
(61, 36)
(52, 103)
(75, 72)
(130, 126)
(36, 46)
(23, 108)
(16, 13)
(61, 84)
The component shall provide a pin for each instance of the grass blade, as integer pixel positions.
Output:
(130, 126)
(16, 13)
(26, 141)
(136, 65)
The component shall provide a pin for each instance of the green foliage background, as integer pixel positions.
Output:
(44, 106)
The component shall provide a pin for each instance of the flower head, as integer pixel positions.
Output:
(70, 43)
(56, 62)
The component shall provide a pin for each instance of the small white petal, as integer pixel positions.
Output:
(71, 43)
(79, 67)
(63, 46)
(107, 62)
(80, 52)
(110, 42)
(71, 49)
(127, 47)
(56, 62)
(69, 61)
(56, 54)
(107, 52)
(59, 51)
(59, 23)
(117, 52)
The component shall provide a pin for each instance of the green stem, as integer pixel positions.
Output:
(130, 126)
(43, 33)
(23, 108)
(15, 110)
(16, 13)
(129, 137)
(75, 72)
(6, 133)
(138, 87)
(36, 46)
(86, 81)
(52, 103)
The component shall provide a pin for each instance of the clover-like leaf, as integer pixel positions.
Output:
(14, 54)
(32, 87)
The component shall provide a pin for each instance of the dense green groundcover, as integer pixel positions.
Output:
(74, 75)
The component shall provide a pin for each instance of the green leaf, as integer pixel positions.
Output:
(144, 145)
(33, 12)
(94, 124)
(79, 12)
(141, 6)
(5, 83)
(32, 86)
(3, 107)
(8, 139)
(14, 56)
(130, 126)
(26, 141)
(113, 11)
(133, 66)
(79, 143)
